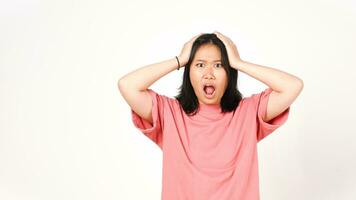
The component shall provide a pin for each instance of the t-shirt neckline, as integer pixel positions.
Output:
(208, 112)
(209, 108)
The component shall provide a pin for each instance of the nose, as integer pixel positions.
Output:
(209, 72)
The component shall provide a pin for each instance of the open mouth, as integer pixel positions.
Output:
(209, 90)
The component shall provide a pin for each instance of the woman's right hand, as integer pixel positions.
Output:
(185, 53)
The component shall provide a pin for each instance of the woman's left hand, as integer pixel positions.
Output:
(233, 54)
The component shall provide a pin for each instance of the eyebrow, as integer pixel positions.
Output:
(205, 60)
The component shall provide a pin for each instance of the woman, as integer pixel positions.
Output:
(209, 132)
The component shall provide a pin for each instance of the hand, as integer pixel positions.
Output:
(233, 54)
(185, 53)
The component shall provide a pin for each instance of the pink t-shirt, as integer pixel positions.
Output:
(211, 155)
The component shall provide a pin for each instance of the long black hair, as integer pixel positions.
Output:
(232, 96)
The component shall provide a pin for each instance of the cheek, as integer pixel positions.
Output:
(194, 83)
(194, 78)
(223, 80)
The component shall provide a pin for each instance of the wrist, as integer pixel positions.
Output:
(237, 64)
(180, 61)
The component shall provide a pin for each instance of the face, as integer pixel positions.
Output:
(207, 68)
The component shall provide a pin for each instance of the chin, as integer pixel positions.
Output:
(209, 101)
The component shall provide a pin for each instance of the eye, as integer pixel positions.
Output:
(199, 64)
(219, 64)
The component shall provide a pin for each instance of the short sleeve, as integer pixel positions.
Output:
(152, 131)
(266, 128)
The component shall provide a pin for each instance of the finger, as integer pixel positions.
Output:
(220, 36)
(217, 34)
(223, 37)
(196, 36)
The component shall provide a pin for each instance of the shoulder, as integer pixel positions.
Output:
(162, 99)
(256, 96)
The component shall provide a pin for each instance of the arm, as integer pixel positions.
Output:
(133, 86)
(286, 87)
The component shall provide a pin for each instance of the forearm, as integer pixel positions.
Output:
(276, 79)
(142, 78)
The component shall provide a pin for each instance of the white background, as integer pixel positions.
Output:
(66, 132)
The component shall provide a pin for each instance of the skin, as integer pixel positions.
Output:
(286, 87)
(205, 68)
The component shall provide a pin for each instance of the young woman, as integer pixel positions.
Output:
(209, 132)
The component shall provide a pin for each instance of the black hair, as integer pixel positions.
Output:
(232, 96)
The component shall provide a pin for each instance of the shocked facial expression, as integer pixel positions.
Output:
(207, 75)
